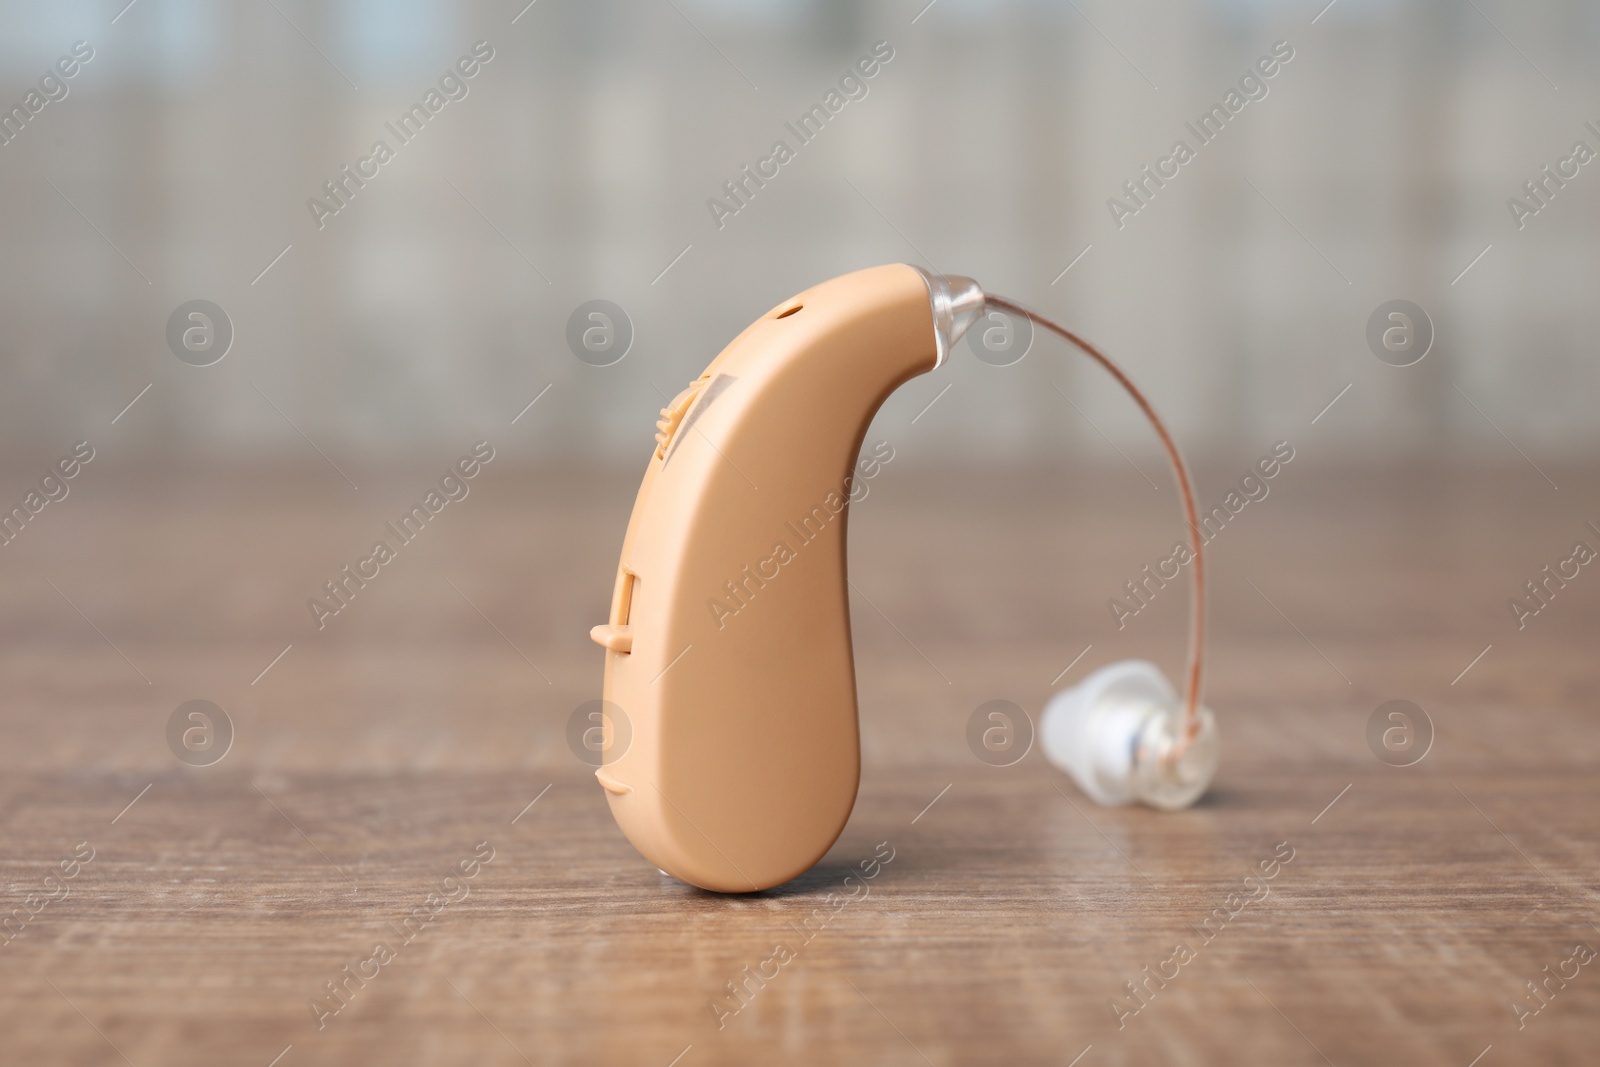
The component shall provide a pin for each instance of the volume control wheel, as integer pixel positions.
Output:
(672, 416)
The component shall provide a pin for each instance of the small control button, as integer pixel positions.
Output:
(615, 638)
(611, 785)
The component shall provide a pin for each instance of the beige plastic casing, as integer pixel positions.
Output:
(744, 755)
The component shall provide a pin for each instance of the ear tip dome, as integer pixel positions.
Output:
(1115, 732)
(1175, 784)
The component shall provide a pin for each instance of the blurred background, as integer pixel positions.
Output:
(433, 306)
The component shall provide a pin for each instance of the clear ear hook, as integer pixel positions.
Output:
(958, 303)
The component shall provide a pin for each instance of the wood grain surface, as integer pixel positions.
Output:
(424, 727)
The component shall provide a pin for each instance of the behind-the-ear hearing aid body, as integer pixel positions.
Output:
(728, 645)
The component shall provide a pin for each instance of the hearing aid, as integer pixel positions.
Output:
(728, 644)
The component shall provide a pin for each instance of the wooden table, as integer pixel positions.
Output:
(375, 755)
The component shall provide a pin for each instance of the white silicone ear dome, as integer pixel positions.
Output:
(1114, 732)
(1174, 784)
(1091, 730)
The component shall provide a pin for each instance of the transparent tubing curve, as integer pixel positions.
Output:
(1197, 628)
